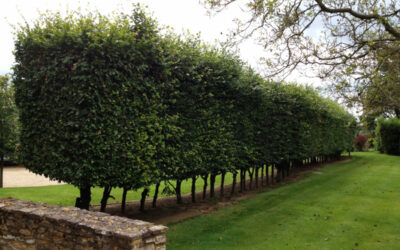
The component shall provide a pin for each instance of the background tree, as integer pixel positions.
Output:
(347, 52)
(382, 97)
(8, 120)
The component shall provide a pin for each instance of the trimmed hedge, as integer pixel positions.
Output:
(112, 102)
(388, 136)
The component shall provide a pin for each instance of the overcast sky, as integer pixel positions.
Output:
(182, 15)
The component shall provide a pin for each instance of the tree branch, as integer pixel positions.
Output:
(381, 19)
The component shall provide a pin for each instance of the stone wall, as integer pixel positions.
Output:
(28, 225)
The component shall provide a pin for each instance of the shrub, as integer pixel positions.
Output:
(371, 143)
(360, 142)
(388, 136)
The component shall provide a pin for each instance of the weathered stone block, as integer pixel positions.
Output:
(149, 247)
(160, 239)
(25, 232)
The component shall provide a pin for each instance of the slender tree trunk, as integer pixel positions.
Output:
(205, 178)
(234, 183)
(83, 202)
(272, 173)
(143, 199)
(123, 203)
(262, 176)
(242, 180)
(283, 171)
(212, 185)
(221, 190)
(178, 191)
(251, 172)
(267, 174)
(106, 195)
(256, 176)
(194, 189)
(154, 205)
(278, 173)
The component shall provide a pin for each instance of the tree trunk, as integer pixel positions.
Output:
(221, 190)
(251, 172)
(178, 191)
(233, 183)
(194, 189)
(283, 171)
(212, 185)
(123, 203)
(143, 199)
(154, 205)
(83, 202)
(205, 178)
(106, 195)
(242, 180)
(262, 176)
(256, 176)
(272, 173)
(267, 174)
(278, 173)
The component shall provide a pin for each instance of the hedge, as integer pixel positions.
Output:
(388, 136)
(114, 102)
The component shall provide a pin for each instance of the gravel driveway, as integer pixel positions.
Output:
(19, 176)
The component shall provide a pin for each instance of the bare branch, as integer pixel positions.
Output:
(381, 19)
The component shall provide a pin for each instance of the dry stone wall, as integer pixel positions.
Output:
(28, 225)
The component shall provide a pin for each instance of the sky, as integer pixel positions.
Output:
(181, 15)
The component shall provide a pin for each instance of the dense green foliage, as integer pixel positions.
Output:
(388, 136)
(8, 120)
(348, 205)
(113, 102)
(86, 89)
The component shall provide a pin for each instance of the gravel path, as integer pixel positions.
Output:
(19, 176)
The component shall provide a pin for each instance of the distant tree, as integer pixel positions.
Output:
(382, 96)
(8, 119)
(349, 51)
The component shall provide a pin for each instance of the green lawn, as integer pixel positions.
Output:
(65, 195)
(353, 205)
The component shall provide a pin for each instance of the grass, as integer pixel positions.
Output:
(350, 205)
(65, 195)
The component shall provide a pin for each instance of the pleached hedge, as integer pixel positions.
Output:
(115, 102)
